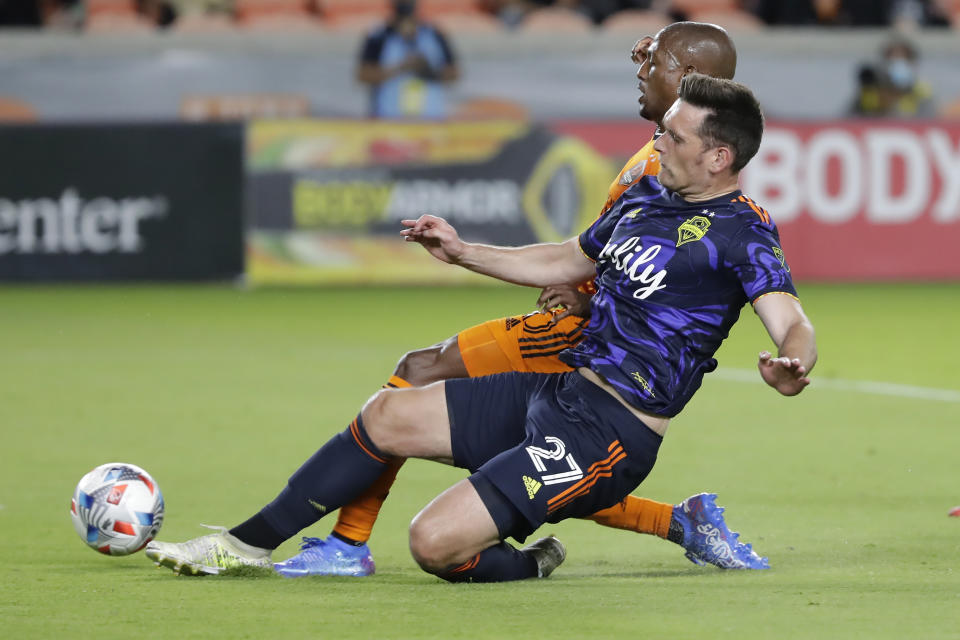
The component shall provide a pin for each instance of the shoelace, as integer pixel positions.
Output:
(309, 543)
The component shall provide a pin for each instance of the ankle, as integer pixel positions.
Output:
(245, 549)
(339, 537)
(675, 534)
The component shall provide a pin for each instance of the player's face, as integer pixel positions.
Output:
(683, 155)
(659, 78)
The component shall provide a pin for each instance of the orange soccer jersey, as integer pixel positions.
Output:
(533, 341)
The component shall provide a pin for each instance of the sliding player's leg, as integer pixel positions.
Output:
(582, 450)
(456, 537)
(517, 343)
(393, 423)
(696, 524)
(345, 551)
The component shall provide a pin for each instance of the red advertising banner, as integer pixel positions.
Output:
(854, 199)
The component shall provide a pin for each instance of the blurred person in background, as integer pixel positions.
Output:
(891, 87)
(21, 13)
(55, 14)
(159, 13)
(883, 13)
(512, 12)
(853, 13)
(408, 64)
(794, 12)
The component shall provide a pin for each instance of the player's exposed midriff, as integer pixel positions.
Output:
(657, 424)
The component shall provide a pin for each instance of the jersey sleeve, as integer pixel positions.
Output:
(757, 259)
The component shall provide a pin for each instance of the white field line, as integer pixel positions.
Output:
(858, 386)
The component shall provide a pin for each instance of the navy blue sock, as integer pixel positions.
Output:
(499, 563)
(336, 474)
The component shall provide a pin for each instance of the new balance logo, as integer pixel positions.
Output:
(532, 486)
(316, 505)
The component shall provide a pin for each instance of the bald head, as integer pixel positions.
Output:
(705, 47)
(679, 49)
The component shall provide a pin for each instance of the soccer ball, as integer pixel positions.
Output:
(117, 508)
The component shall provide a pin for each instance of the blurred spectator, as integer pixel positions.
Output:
(64, 15)
(853, 13)
(596, 10)
(509, 12)
(882, 13)
(794, 12)
(891, 87)
(160, 13)
(512, 12)
(21, 13)
(917, 13)
(407, 64)
(58, 14)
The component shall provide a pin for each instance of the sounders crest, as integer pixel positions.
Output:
(692, 230)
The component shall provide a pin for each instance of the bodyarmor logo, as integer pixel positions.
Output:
(783, 261)
(692, 230)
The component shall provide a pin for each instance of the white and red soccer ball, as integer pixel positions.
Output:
(117, 508)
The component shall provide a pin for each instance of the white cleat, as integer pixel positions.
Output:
(549, 554)
(208, 555)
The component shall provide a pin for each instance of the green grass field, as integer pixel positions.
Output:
(221, 393)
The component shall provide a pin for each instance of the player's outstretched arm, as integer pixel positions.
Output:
(535, 265)
(793, 334)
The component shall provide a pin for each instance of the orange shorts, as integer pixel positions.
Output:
(528, 343)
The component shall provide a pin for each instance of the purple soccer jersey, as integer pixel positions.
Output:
(672, 277)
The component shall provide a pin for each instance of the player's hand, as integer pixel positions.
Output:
(436, 235)
(783, 374)
(571, 300)
(639, 52)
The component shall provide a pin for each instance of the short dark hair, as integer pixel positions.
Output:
(735, 119)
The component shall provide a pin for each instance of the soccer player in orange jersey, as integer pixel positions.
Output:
(532, 342)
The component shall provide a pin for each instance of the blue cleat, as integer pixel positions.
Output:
(330, 557)
(707, 539)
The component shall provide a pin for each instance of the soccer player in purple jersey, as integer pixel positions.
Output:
(675, 261)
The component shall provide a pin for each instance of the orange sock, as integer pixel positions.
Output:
(355, 520)
(396, 382)
(637, 514)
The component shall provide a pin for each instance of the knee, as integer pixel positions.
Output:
(390, 419)
(377, 418)
(428, 546)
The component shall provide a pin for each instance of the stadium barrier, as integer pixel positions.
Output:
(854, 200)
(327, 196)
(121, 202)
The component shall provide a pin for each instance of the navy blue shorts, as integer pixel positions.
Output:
(546, 447)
